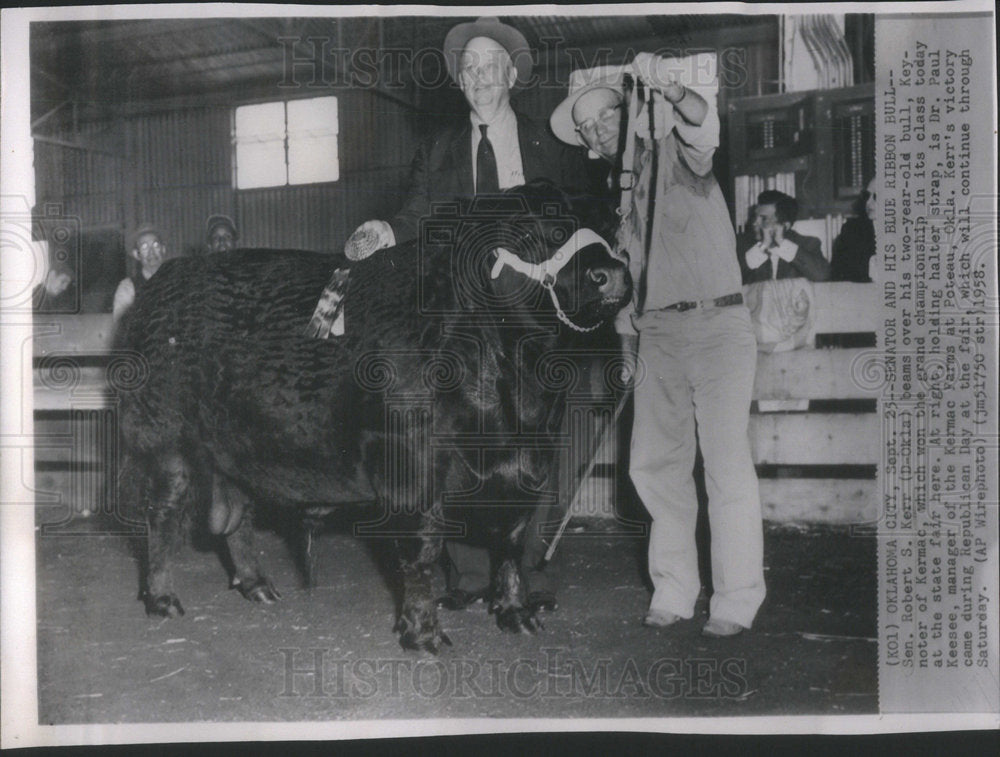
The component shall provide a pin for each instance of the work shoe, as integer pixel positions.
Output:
(458, 599)
(542, 600)
(660, 619)
(720, 629)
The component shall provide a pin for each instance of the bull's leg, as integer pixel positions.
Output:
(418, 624)
(510, 598)
(170, 490)
(247, 575)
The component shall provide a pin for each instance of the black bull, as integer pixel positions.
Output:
(433, 390)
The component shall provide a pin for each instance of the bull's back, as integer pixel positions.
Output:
(231, 372)
(227, 359)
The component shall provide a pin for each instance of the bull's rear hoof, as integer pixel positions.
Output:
(261, 590)
(164, 606)
(518, 620)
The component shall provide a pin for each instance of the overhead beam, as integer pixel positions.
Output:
(51, 78)
(72, 145)
(108, 32)
(46, 116)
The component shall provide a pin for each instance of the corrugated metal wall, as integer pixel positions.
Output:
(86, 182)
(180, 172)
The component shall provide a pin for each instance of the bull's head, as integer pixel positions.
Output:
(539, 258)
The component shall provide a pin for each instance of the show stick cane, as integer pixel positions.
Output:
(613, 423)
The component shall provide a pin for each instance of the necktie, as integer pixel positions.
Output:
(486, 165)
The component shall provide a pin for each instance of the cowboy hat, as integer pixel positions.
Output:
(581, 82)
(487, 26)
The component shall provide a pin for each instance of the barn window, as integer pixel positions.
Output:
(290, 142)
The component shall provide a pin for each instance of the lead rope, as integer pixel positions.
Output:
(550, 284)
(626, 179)
(651, 225)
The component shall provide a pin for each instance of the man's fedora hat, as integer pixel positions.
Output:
(488, 26)
(581, 82)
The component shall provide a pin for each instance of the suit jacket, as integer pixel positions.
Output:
(442, 169)
(852, 250)
(808, 262)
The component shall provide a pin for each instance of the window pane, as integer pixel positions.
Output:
(260, 122)
(314, 116)
(260, 164)
(260, 146)
(312, 159)
(312, 140)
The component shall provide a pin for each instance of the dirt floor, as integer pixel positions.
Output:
(329, 653)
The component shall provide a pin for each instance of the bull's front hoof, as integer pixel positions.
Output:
(164, 606)
(517, 619)
(420, 632)
(261, 590)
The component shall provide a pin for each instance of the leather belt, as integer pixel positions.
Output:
(718, 302)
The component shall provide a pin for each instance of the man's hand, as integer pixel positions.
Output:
(766, 238)
(778, 233)
(367, 238)
(630, 352)
(647, 68)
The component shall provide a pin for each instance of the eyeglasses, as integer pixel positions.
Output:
(489, 71)
(607, 116)
(147, 246)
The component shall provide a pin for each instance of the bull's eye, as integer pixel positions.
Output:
(598, 277)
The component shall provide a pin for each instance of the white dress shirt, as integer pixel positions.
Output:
(502, 134)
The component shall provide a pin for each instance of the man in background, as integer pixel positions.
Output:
(780, 252)
(55, 294)
(220, 233)
(148, 252)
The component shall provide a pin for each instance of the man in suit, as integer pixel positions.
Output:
(494, 149)
(488, 60)
(779, 252)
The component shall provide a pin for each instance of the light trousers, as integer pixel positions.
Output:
(696, 388)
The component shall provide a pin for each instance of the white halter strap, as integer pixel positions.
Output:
(547, 271)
